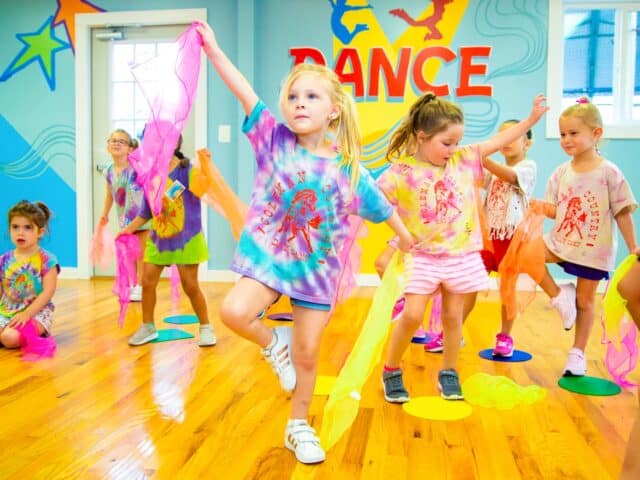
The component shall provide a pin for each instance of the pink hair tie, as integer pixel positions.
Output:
(582, 100)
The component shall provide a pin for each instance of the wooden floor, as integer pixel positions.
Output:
(102, 409)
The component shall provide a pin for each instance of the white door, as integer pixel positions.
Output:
(117, 102)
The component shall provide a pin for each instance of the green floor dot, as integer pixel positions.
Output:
(181, 319)
(589, 386)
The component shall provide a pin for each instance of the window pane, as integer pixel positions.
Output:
(144, 51)
(122, 60)
(122, 100)
(588, 50)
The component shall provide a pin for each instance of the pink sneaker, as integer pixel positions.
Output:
(504, 346)
(397, 309)
(435, 344)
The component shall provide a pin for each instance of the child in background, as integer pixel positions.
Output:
(28, 273)
(629, 289)
(509, 187)
(176, 238)
(305, 188)
(128, 196)
(589, 193)
(432, 192)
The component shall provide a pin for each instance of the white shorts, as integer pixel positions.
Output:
(458, 274)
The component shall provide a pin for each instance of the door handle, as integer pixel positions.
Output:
(101, 167)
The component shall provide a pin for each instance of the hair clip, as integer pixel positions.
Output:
(582, 100)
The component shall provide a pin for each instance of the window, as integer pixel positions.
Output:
(593, 52)
(128, 107)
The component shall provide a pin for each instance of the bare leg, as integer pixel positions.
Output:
(410, 319)
(452, 310)
(307, 334)
(189, 281)
(141, 235)
(150, 277)
(241, 307)
(585, 296)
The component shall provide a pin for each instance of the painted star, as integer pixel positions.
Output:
(66, 14)
(40, 46)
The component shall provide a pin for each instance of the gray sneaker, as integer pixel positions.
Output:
(394, 390)
(207, 336)
(449, 385)
(144, 334)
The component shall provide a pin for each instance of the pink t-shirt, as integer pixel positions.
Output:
(587, 203)
(437, 204)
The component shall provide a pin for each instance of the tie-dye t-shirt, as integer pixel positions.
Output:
(298, 217)
(437, 204)
(583, 231)
(22, 280)
(176, 233)
(506, 203)
(128, 196)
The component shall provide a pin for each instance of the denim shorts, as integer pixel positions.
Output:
(584, 272)
(313, 306)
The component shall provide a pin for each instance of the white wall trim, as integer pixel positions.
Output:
(84, 23)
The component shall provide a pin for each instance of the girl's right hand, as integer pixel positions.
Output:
(209, 41)
(539, 107)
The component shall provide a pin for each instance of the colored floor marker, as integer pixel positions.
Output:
(589, 386)
(324, 385)
(286, 317)
(518, 356)
(181, 319)
(437, 408)
(169, 334)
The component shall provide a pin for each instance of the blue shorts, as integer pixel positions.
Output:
(313, 306)
(584, 272)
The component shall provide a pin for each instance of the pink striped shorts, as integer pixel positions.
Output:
(457, 274)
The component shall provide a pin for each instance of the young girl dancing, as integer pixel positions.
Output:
(28, 274)
(176, 239)
(304, 190)
(509, 188)
(590, 193)
(124, 191)
(433, 193)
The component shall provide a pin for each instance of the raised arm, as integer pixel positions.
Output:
(503, 172)
(511, 134)
(236, 82)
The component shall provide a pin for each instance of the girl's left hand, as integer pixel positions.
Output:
(539, 107)
(18, 320)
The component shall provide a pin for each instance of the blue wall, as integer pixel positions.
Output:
(37, 123)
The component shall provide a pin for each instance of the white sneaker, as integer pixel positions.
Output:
(565, 304)
(279, 356)
(576, 363)
(145, 333)
(207, 336)
(301, 439)
(135, 293)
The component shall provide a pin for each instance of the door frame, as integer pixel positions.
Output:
(85, 22)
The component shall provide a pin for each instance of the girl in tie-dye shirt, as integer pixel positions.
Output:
(433, 190)
(123, 191)
(28, 275)
(305, 188)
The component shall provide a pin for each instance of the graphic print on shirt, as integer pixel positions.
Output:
(574, 220)
(301, 217)
(170, 221)
(446, 198)
(300, 231)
